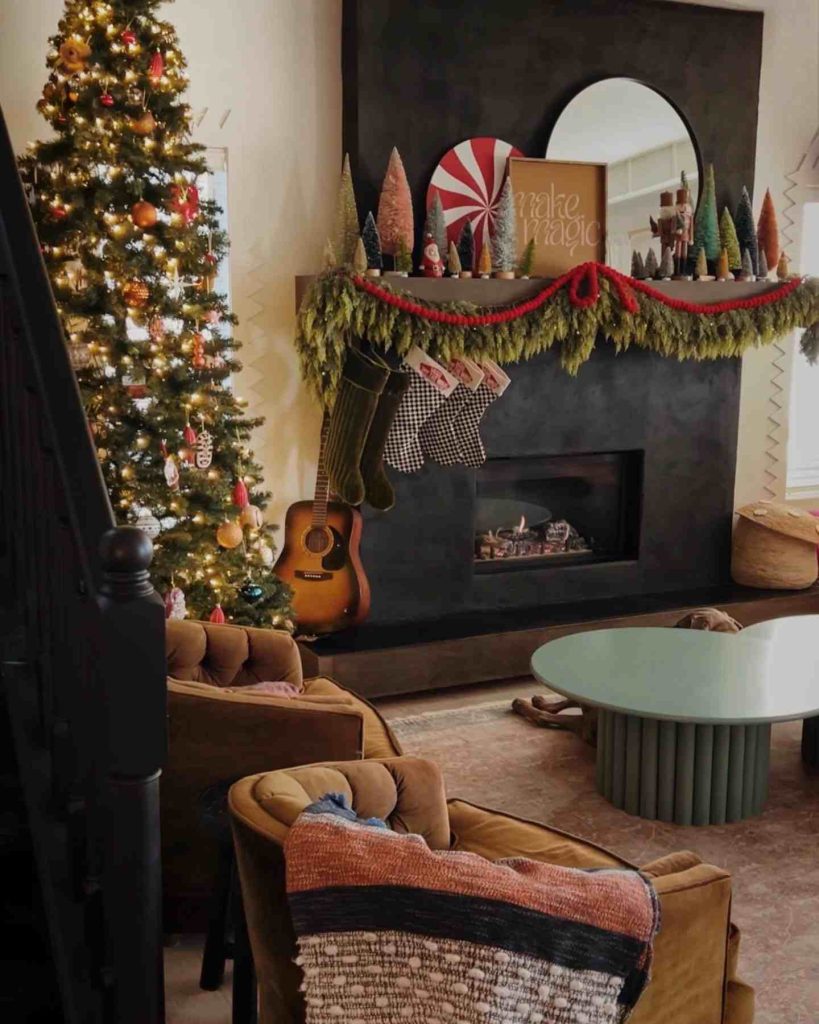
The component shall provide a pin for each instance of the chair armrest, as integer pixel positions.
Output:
(689, 974)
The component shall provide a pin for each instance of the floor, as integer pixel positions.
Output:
(496, 758)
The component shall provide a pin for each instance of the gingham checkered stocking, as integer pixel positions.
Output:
(402, 450)
(439, 435)
(473, 452)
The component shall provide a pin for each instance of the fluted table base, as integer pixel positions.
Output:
(683, 772)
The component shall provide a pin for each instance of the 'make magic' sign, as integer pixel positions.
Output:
(562, 206)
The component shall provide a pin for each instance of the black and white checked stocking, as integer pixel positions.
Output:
(402, 450)
(439, 436)
(473, 452)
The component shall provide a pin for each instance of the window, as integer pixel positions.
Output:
(803, 417)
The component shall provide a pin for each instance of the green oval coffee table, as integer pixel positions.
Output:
(684, 727)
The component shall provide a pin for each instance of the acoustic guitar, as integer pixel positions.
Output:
(320, 559)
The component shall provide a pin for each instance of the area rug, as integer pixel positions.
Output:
(491, 756)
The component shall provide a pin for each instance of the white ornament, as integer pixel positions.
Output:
(251, 516)
(175, 604)
(171, 473)
(204, 449)
(148, 523)
(266, 554)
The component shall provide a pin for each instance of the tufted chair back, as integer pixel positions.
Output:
(223, 655)
(407, 792)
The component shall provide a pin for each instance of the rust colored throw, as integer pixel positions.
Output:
(390, 931)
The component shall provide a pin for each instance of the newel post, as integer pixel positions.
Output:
(133, 692)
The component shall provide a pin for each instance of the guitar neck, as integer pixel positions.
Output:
(322, 492)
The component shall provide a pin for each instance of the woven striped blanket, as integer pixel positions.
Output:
(390, 931)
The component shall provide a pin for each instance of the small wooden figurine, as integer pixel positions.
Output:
(683, 232)
(432, 265)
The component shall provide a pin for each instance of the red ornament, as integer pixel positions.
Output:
(128, 37)
(217, 615)
(185, 201)
(58, 212)
(211, 259)
(432, 264)
(240, 496)
(107, 100)
(198, 351)
(189, 434)
(156, 68)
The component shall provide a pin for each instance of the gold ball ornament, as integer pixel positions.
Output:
(73, 55)
(136, 294)
(229, 534)
(251, 516)
(144, 124)
(143, 214)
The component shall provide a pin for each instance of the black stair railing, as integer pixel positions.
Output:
(82, 662)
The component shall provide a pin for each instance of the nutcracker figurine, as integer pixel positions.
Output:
(432, 265)
(665, 227)
(683, 233)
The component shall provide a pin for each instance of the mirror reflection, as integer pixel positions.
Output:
(646, 146)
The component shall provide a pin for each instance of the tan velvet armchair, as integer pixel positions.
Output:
(694, 977)
(218, 733)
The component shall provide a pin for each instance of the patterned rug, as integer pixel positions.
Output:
(491, 756)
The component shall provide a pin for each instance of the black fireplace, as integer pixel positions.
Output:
(636, 454)
(557, 510)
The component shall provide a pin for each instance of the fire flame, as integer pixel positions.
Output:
(521, 525)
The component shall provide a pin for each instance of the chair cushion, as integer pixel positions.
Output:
(407, 792)
(379, 741)
(494, 835)
(380, 916)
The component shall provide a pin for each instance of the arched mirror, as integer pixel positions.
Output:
(646, 146)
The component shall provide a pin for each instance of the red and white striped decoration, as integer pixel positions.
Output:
(469, 179)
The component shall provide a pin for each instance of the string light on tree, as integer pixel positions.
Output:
(132, 245)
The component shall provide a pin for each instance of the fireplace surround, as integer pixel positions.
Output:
(661, 434)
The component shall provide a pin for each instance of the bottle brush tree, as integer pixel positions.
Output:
(403, 257)
(504, 237)
(132, 249)
(372, 243)
(453, 262)
(527, 259)
(346, 223)
(395, 220)
(638, 270)
(746, 228)
(728, 239)
(651, 265)
(767, 233)
(435, 223)
(666, 271)
(485, 261)
(706, 224)
(466, 246)
(701, 269)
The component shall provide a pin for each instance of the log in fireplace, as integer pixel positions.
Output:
(558, 510)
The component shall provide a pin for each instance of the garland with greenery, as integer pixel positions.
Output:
(570, 312)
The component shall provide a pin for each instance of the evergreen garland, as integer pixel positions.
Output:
(336, 309)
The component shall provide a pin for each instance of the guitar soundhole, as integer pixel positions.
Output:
(316, 540)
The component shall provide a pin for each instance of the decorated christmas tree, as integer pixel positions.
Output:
(504, 238)
(767, 233)
(346, 226)
(706, 225)
(395, 221)
(132, 248)
(746, 228)
(435, 224)
(728, 239)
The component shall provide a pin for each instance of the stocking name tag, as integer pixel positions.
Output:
(494, 377)
(467, 371)
(425, 366)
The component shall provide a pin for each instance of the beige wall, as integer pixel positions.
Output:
(274, 67)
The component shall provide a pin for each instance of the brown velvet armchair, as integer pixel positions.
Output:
(218, 733)
(694, 979)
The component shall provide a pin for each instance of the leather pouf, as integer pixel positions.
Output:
(774, 547)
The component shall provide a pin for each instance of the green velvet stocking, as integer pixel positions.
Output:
(379, 491)
(362, 382)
